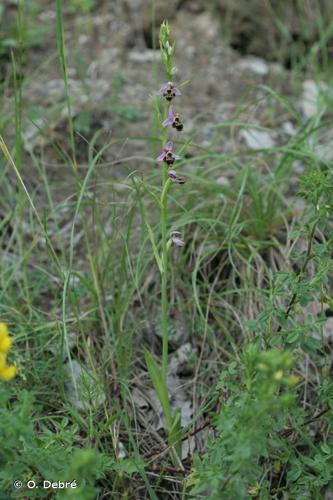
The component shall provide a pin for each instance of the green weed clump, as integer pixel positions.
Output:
(266, 444)
(30, 462)
(256, 398)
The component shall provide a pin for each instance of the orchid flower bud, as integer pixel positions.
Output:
(174, 177)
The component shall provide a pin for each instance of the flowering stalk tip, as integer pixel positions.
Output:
(167, 49)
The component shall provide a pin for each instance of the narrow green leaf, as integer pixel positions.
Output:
(175, 433)
(159, 386)
(156, 254)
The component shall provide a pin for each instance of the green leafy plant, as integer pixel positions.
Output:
(256, 409)
(259, 395)
(16, 34)
(28, 459)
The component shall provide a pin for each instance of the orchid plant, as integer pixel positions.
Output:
(170, 119)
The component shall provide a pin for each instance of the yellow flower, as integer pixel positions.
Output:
(6, 372)
(5, 340)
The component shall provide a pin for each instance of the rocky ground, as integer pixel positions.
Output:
(112, 74)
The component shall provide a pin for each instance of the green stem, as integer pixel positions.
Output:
(164, 278)
(164, 272)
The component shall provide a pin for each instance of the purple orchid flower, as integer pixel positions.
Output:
(176, 238)
(169, 91)
(168, 156)
(173, 120)
(174, 177)
(170, 119)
